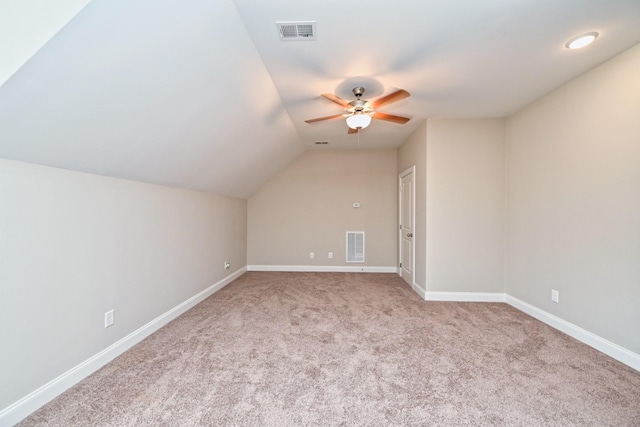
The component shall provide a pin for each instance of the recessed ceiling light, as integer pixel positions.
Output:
(582, 40)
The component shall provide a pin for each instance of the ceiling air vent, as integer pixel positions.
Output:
(302, 30)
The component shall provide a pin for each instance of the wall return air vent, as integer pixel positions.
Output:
(300, 30)
(355, 246)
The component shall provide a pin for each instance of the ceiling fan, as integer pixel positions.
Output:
(359, 112)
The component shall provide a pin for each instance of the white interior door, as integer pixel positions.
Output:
(406, 215)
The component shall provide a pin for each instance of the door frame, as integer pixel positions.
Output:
(412, 171)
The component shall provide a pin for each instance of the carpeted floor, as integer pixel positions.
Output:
(333, 349)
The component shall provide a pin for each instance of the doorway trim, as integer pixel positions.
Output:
(412, 171)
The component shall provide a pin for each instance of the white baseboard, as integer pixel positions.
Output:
(464, 296)
(419, 290)
(22, 408)
(323, 268)
(416, 288)
(621, 354)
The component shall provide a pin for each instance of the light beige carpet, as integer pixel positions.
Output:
(334, 349)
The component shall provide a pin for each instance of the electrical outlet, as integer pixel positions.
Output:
(330, 255)
(108, 318)
(227, 265)
(555, 296)
(312, 255)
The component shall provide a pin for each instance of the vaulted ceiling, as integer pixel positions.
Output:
(204, 94)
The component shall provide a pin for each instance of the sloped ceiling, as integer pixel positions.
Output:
(27, 25)
(202, 94)
(167, 92)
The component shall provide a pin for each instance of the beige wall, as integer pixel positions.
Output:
(459, 204)
(308, 208)
(465, 205)
(573, 201)
(413, 152)
(74, 245)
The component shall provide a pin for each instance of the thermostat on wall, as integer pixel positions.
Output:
(356, 205)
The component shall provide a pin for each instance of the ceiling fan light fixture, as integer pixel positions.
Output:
(359, 121)
(582, 40)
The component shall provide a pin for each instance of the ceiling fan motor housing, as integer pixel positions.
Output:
(358, 104)
(358, 91)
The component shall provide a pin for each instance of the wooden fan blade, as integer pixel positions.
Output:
(335, 116)
(351, 130)
(390, 118)
(341, 102)
(392, 97)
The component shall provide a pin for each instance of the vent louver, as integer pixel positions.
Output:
(355, 246)
(303, 30)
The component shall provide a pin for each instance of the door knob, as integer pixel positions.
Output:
(409, 234)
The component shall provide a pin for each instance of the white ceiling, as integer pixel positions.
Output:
(202, 94)
(27, 25)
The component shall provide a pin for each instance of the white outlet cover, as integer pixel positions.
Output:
(108, 318)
